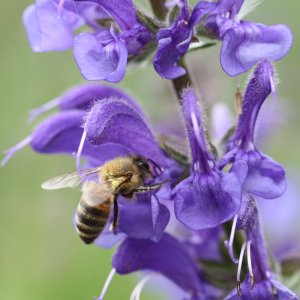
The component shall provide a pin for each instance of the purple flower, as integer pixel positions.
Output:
(113, 127)
(260, 282)
(245, 43)
(208, 197)
(265, 177)
(50, 24)
(168, 257)
(174, 42)
(102, 55)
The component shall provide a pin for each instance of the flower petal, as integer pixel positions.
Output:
(204, 201)
(48, 31)
(200, 10)
(257, 91)
(266, 178)
(167, 256)
(122, 11)
(151, 217)
(114, 121)
(62, 133)
(99, 61)
(84, 96)
(245, 44)
(173, 43)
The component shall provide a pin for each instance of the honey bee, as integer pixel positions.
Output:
(123, 176)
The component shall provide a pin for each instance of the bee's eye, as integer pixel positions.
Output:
(144, 165)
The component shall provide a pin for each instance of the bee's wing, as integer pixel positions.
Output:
(69, 180)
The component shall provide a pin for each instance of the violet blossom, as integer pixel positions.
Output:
(265, 178)
(260, 282)
(181, 230)
(244, 43)
(208, 197)
(168, 257)
(101, 54)
(174, 42)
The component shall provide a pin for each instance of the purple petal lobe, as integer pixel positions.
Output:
(84, 96)
(206, 201)
(205, 244)
(122, 11)
(200, 10)
(62, 133)
(265, 178)
(48, 31)
(100, 56)
(173, 43)
(245, 44)
(151, 217)
(167, 256)
(114, 121)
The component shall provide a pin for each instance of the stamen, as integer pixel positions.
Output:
(79, 151)
(107, 283)
(238, 276)
(9, 153)
(250, 265)
(136, 293)
(229, 244)
(34, 113)
(60, 7)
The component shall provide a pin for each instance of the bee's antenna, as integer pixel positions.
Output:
(156, 165)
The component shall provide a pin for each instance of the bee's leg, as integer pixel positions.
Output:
(116, 207)
(116, 213)
(147, 188)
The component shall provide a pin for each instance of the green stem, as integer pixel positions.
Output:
(159, 9)
(182, 82)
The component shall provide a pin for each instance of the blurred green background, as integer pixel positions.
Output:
(41, 256)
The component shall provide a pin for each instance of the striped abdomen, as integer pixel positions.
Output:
(91, 220)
